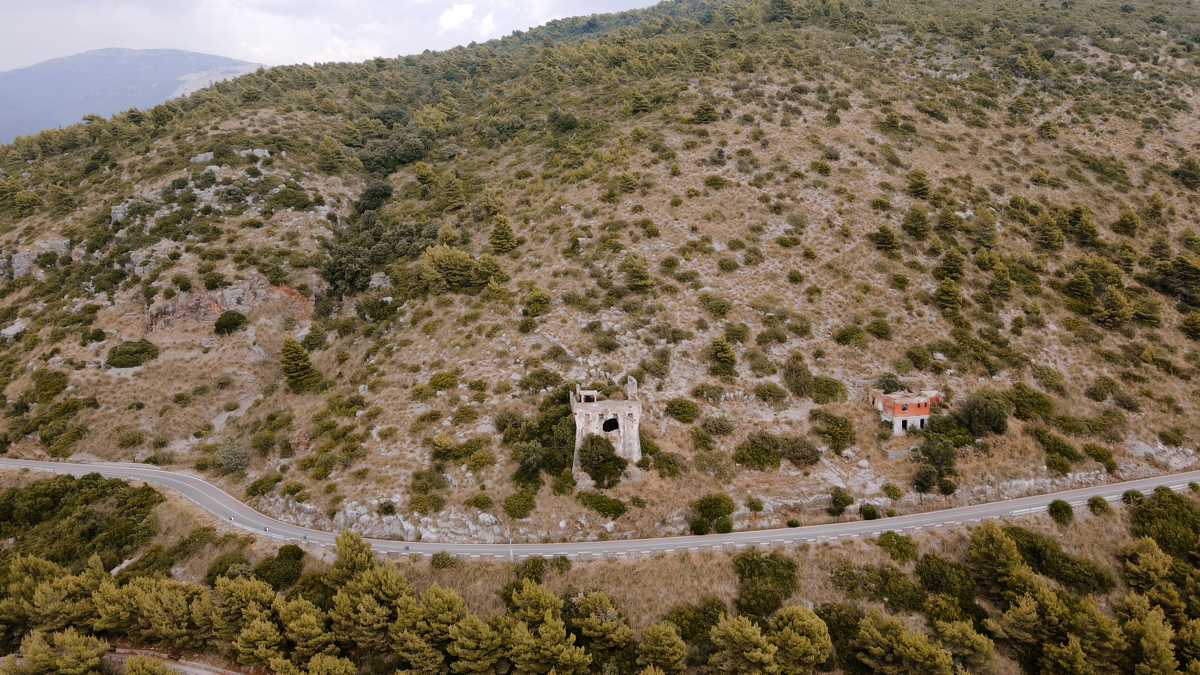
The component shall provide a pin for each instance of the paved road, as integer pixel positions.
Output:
(228, 508)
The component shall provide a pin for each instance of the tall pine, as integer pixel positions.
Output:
(297, 368)
(503, 239)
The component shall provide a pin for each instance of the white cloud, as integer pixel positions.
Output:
(487, 27)
(456, 16)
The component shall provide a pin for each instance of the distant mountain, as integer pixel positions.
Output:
(102, 82)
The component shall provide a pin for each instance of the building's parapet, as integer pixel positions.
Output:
(618, 421)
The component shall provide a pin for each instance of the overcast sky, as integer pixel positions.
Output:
(271, 32)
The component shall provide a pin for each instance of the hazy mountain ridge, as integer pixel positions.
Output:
(103, 82)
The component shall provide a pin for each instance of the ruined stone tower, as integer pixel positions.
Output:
(615, 420)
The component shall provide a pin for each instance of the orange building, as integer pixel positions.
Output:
(905, 410)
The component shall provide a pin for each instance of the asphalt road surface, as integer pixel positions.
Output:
(229, 509)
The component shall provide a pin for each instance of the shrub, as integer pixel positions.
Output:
(1061, 512)
(1101, 454)
(841, 499)
(983, 413)
(519, 505)
(892, 491)
(263, 485)
(700, 527)
(792, 522)
(283, 569)
(229, 322)
(683, 410)
(130, 438)
(131, 354)
(387, 508)
(925, 479)
(868, 512)
(769, 392)
(713, 506)
(754, 504)
(1099, 506)
(723, 525)
(756, 455)
(827, 390)
(880, 329)
(1029, 403)
(900, 547)
(850, 335)
(764, 582)
(605, 506)
(443, 560)
(835, 430)
(717, 426)
(1045, 556)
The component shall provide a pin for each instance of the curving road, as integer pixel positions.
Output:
(224, 506)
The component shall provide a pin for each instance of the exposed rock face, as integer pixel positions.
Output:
(206, 306)
(283, 507)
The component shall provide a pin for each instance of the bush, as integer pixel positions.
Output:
(443, 560)
(1045, 556)
(880, 329)
(519, 505)
(925, 479)
(1061, 512)
(683, 410)
(387, 508)
(700, 527)
(263, 485)
(220, 567)
(983, 413)
(717, 426)
(868, 512)
(769, 392)
(841, 499)
(130, 438)
(764, 582)
(1029, 403)
(131, 354)
(754, 504)
(835, 430)
(892, 491)
(605, 506)
(723, 525)
(229, 322)
(900, 547)
(1099, 506)
(713, 506)
(283, 569)
(792, 522)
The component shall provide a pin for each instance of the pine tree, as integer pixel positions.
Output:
(1191, 325)
(297, 368)
(884, 239)
(1157, 652)
(258, 643)
(422, 658)
(1114, 310)
(1067, 659)
(662, 648)
(1047, 235)
(453, 195)
(354, 557)
(970, 650)
(886, 647)
(1001, 286)
(546, 648)
(537, 301)
(1189, 173)
(324, 664)
(705, 112)
(947, 296)
(236, 604)
(741, 648)
(916, 222)
(476, 648)
(721, 358)
(1128, 223)
(801, 638)
(310, 637)
(637, 274)
(531, 603)
(992, 555)
(599, 623)
(441, 609)
(141, 665)
(503, 238)
(919, 186)
(952, 265)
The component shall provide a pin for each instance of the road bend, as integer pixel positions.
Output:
(228, 508)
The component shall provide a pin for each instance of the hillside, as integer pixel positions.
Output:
(756, 210)
(60, 92)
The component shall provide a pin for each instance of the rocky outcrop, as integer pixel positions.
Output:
(206, 306)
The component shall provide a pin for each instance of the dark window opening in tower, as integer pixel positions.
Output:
(611, 425)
